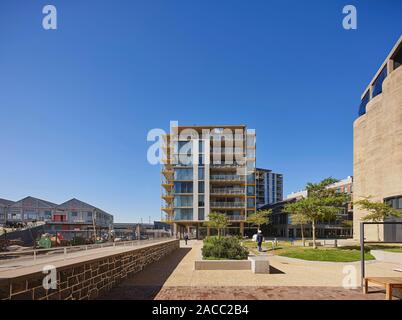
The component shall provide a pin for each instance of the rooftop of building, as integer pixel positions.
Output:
(303, 193)
(72, 204)
(396, 51)
(5, 202)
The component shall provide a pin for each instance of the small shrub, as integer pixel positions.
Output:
(223, 248)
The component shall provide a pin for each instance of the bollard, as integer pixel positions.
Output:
(65, 253)
(34, 254)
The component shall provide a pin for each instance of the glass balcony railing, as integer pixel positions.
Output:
(227, 204)
(236, 217)
(227, 191)
(227, 177)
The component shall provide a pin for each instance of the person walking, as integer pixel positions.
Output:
(186, 237)
(259, 240)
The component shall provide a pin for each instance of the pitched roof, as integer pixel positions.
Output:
(33, 202)
(5, 202)
(75, 204)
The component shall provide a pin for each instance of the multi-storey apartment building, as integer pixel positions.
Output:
(269, 186)
(208, 169)
(378, 145)
(69, 219)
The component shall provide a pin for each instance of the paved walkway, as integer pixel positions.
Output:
(174, 277)
(21, 266)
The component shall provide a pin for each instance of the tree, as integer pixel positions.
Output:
(297, 216)
(217, 221)
(321, 203)
(259, 218)
(378, 211)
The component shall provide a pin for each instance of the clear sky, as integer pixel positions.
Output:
(76, 103)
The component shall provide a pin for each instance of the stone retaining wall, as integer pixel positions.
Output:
(85, 280)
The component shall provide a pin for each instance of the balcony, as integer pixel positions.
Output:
(228, 191)
(236, 218)
(223, 165)
(168, 173)
(168, 185)
(167, 208)
(168, 197)
(227, 177)
(240, 205)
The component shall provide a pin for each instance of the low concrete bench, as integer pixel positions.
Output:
(222, 265)
(259, 264)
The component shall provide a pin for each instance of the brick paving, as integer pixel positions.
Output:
(264, 293)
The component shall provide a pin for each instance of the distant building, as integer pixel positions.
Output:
(281, 224)
(70, 219)
(269, 187)
(4, 205)
(297, 195)
(131, 231)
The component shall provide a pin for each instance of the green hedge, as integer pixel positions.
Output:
(223, 248)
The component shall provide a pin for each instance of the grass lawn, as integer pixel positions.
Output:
(284, 248)
(340, 254)
(324, 254)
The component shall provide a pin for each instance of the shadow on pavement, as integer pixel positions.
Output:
(146, 284)
(273, 270)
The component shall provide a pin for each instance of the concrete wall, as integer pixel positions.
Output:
(378, 151)
(85, 280)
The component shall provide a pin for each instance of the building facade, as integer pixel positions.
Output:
(4, 205)
(281, 224)
(269, 187)
(73, 218)
(208, 169)
(378, 145)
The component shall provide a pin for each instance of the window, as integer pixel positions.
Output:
(377, 86)
(185, 147)
(394, 202)
(74, 214)
(250, 203)
(200, 201)
(200, 173)
(251, 179)
(201, 214)
(183, 187)
(183, 201)
(201, 187)
(365, 100)
(183, 214)
(183, 174)
(250, 190)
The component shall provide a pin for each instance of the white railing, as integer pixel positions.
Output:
(57, 252)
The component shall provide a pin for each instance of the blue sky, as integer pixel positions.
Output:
(76, 103)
